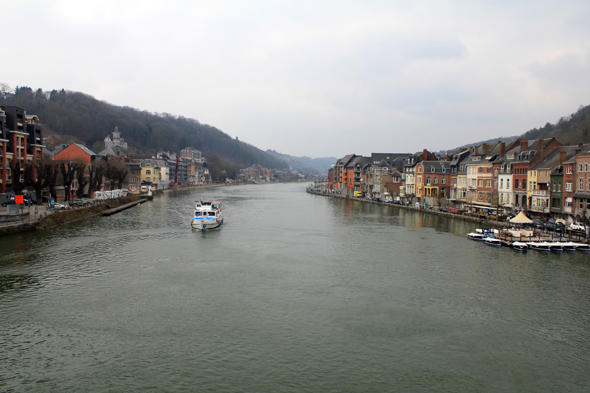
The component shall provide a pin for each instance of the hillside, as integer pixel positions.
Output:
(569, 130)
(72, 116)
(305, 164)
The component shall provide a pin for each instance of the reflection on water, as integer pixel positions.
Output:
(295, 293)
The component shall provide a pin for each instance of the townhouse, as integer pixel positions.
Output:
(20, 141)
(582, 193)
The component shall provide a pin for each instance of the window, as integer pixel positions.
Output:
(515, 184)
(585, 167)
(431, 169)
(501, 183)
(148, 172)
(568, 186)
(428, 181)
(580, 184)
(508, 184)
(580, 170)
(443, 181)
(568, 170)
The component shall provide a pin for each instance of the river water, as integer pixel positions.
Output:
(296, 293)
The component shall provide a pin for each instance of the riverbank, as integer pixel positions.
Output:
(481, 220)
(42, 218)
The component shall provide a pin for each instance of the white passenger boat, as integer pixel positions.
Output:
(492, 241)
(207, 215)
(520, 246)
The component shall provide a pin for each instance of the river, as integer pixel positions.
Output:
(295, 293)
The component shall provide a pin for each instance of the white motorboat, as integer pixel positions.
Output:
(207, 215)
(475, 236)
(568, 246)
(492, 241)
(520, 246)
(582, 247)
(539, 246)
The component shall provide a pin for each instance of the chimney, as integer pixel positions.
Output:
(562, 155)
(524, 145)
(424, 155)
(486, 149)
(540, 149)
(475, 149)
(502, 149)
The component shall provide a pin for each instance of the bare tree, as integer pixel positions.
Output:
(82, 181)
(67, 171)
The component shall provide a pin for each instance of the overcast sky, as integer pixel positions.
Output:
(315, 78)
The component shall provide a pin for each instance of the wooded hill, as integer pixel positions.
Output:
(77, 117)
(569, 130)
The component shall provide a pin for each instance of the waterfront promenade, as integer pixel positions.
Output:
(488, 221)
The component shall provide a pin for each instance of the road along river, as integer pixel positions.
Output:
(296, 293)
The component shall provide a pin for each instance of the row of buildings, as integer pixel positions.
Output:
(541, 177)
(21, 141)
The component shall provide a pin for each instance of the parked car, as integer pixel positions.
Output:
(451, 210)
(539, 224)
(443, 209)
(551, 225)
(577, 226)
(10, 202)
(59, 206)
(78, 202)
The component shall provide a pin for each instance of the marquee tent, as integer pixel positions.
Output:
(521, 219)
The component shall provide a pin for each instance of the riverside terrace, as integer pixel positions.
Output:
(42, 217)
(486, 220)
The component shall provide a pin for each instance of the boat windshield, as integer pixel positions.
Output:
(211, 214)
(197, 214)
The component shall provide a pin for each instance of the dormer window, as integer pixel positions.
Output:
(444, 169)
(431, 169)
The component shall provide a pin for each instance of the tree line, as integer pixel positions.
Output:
(80, 118)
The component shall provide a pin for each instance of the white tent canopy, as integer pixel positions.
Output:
(521, 219)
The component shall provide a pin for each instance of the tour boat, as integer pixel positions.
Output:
(520, 246)
(207, 215)
(492, 241)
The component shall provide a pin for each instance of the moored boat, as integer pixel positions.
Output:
(539, 246)
(568, 246)
(582, 247)
(520, 246)
(207, 215)
(492, 241)
(475, 236)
